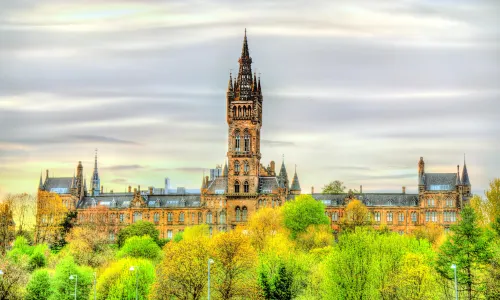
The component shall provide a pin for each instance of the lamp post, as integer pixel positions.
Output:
(75, 277)
(454, 267)
(95, 283)
(210, 261)
(136, 282)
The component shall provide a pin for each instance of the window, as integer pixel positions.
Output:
(414, 217)
(169, 234)
(401, 217)
(222, 218)
(122, 218)
(236, 187)
(111, 236)
(434, 216)
(453, 216)
(247, 141)
(246, 167)
(137, 216)
(181, 217)
(430, 216)
(246, 187)
(237, 141)
(244, 214)
(238, 214)
(170, 217)
(234, 111)
(260, 203)
(157, 203)
(209, 218)
(157, 217)
(449, 202)
(200, 218)
(210, 230)
(430, 202)
(389, 217)
(377, 216)
(192, 218)
(236, 167)
(335, 216)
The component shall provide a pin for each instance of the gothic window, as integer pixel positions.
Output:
(449, 202)
(236, 187)
(170, 217)
(247, 141)
(239, 111)
(209, 218)
(157, 217)
(237, 141)
(234, 111)
(200, 218)
(244, 213)
(111, 236)
(246, 167)
(169, 234)
(238, 214)
(181, 217)
(192, 218)
(335, 216)
(246, 188)
(414, 217)
(389, 217)
(236, 167)
(260, 202)
(430, 202)
(244, 111)
(222, 218)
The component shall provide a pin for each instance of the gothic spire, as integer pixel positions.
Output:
(244, 49)
(458, 176)
(40, 185)
(295, 182)
(95, 182)
(244, 83)
(465, 174)
(230, 84)
(283, 176)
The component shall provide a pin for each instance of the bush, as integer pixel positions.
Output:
(143, 246)
(39, 286)
(63, 288)
(139, 228)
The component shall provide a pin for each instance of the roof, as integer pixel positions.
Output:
(59, 185)
(465, 176)
(218, 186)
(440, 181)
(295, 183)
(268, 185)
(370, 199)
(123, 201)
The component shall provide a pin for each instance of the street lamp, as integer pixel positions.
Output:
(210, 261)
(75, 277)
(132, 269)
(95, 283)
(454, 267)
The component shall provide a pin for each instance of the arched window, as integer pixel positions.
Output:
(236, 167)
(244, 214)
(237, 141)
(246, 167)
(239, 112)
(209, 218)
(234, 111)
(236, 187)
(244, 111)
(246, 188)
(238, 214)
(247, 141)
(137, 216)
(200, 218)
(170, 217)
(260, 202)
(181, 217)
(157, 217)
(222, 218)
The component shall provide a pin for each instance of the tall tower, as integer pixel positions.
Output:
(96, 182)
(244, 119)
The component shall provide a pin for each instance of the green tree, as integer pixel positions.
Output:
(140, 246)
(139, 228)
(13, 280)
(334, 187)
(276, 286)
(119, 282)
(68, 222)
(468, 247)
(63, 287)
(302, 212)
(356, 214)
(38, 287)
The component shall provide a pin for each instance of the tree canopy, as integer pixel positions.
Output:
(334, 187)
(302, 212)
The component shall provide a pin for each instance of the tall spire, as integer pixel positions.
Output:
(295, 182)
(283, 176)
(225, 172)
(244, 49)
(96, 181)
(465, 175)
(230, 84)
(40, 185)
(244, 83)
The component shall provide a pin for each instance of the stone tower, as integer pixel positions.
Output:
(244, 119)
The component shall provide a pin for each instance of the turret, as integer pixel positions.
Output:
(295, 188)
(283, 176)
(465, 180)
(421, 175)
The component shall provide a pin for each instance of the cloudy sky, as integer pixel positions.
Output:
(353, 90)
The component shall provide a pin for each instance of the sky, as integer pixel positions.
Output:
(353, 90)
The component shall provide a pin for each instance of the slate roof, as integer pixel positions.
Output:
(370, 199)
(268, 185)
(442, 179)
(295, 183)
(58, 183)
(217, 185)
(123, 200)
(465, 176)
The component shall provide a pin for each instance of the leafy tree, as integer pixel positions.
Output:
(143, 246)
(183, 271)
(277, 286)
(356, 214)
(264, 223)
(302, 212)
(38, 287)
(139, 228)
(65, 227)
(493, 200)
(492, 290)
(469, 248)
(234, 267)
(38, 258)
(7, 225)
(13, 280)
(89, 246)
(119, 282)
(431, 231)
(63, 288)
(334, 187)
(315, 236)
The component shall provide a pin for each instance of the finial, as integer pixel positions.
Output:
(464, 158)
(245, 32)
(283, 155)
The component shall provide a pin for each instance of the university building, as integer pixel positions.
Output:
(234, 192)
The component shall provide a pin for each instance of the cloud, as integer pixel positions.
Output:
(197, 170)
(277, 143)
(124, 167)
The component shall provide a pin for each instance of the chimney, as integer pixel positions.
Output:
(404, 190)
(102, 189)
(151, 190)
(273, 167)
(361, 189)
(47, 173)
(135, 190)
(129, 189)
(111, 191)
(312, 190)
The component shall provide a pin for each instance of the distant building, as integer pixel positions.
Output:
(230, 194)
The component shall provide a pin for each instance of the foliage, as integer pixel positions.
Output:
(303, 211)
(468, 247)
(38, 258)
(38, 286)
(493, 200)
(264, 223)
(143, 246)
(7, 225)
(139, 228)
(315, 236)
(23, 207)
(356, 214)
(89, 246)
(234, 267)
(63, 288)
(278, 285)
(50, 214)
(119, 282)
(13, 280)
(334, 187)
(431, 231)
(32, 257)
(65, 227)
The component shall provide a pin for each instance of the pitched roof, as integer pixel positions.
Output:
(295, 183)
(440, 181)
(59, 185)
(371, 199)
(218, 185)
(465, 176)
(268, 185)
(123, 201)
